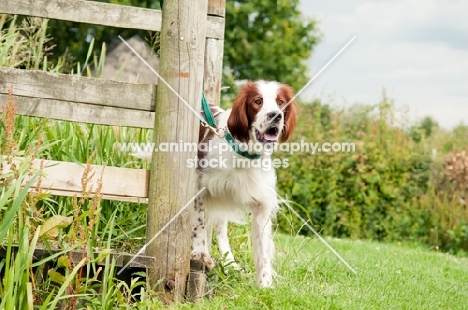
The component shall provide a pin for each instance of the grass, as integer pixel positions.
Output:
(390, 276)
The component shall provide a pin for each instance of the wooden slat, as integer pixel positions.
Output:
(79, 112)
(212, 82)
(65, 87)
(121, 259)
(215, 27)
(100, 14)
(217, 7)
(213, 70)
(64, 178)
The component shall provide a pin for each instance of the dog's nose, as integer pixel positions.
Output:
(275, 116)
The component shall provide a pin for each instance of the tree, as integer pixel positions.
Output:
(268, 40)
(424, 128)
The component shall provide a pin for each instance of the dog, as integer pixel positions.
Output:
(242, 182)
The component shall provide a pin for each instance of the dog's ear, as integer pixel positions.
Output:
(238, 121)
(290, 112)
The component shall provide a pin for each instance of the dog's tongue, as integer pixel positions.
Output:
(270, 136)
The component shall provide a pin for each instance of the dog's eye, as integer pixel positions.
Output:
(258, 102)
(280, 101)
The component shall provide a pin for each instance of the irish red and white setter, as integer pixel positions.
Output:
(262, 116)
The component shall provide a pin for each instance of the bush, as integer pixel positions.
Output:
(384, 190)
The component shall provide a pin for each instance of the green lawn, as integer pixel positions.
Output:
(390, 276)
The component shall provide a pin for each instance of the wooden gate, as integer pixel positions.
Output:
(192, 34)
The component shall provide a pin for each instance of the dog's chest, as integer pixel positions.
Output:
(242, 186)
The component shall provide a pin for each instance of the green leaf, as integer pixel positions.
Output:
(51, 226)
(63, 262)
(56, 277)
(103, 255)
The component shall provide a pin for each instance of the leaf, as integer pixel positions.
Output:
(51, 234)
(51, 226)
(103, 255)
(56, 277)
(63, 262)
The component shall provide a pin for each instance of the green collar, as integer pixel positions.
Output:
(236, 148)
(211, 124)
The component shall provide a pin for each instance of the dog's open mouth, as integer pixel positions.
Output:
(269, 136)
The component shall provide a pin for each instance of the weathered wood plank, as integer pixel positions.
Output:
(65, 178)
(98, 13)
(64, 87)
(212, 83)
(217, 8)
(213, 70)
(172, 183)
(89, 12)
(215, 27)
(121, 259)
(79, 112)
(212, 80)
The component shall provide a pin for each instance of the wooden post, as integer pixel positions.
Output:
(197, 286)
(172, 182)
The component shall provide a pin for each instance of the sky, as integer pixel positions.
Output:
(415, 50)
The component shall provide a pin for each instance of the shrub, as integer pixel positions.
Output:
(385, 190)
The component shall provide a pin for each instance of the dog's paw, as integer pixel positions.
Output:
(203, 257)
(265, 279)
(232, 265)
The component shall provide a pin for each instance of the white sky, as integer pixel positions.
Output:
(416, 49)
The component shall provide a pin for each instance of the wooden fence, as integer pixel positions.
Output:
(192, 34)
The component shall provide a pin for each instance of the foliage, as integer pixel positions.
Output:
(22, 44)
(268, 40)
(424, 129)
(387, 189)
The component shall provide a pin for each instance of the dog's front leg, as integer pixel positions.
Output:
(263, 247)
(199, 235)
(221, 229)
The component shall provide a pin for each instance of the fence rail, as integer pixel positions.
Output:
(64, 179)
(99, 13)
(79, 99)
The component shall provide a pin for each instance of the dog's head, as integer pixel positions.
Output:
(263, 112)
